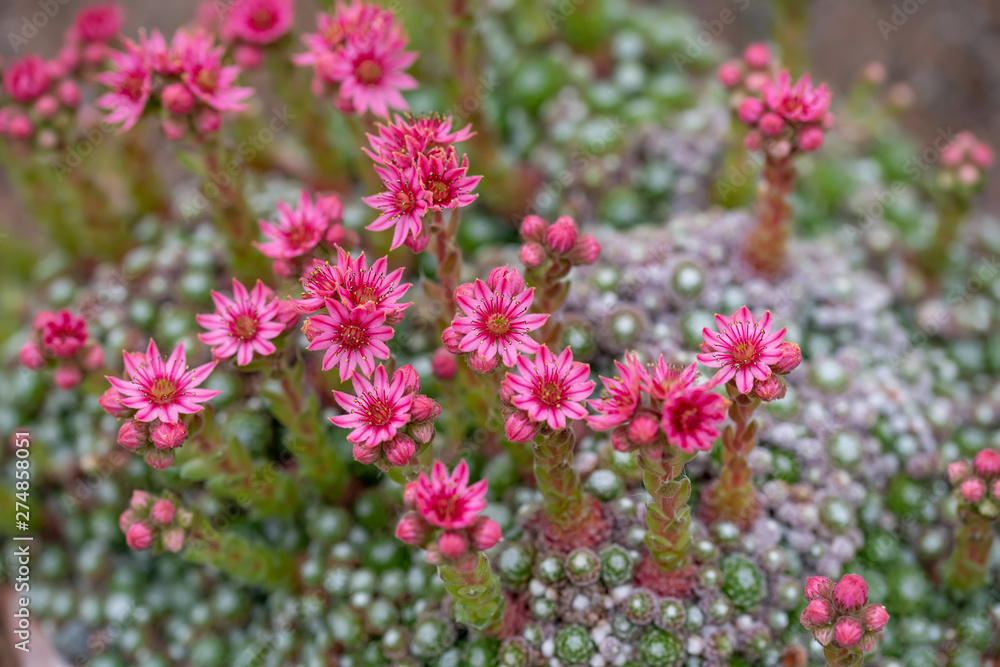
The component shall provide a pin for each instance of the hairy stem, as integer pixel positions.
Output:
(234, 554)
(732, 497)
(967, 568)
(843, 657)
(668, 516)
(557, 480)
(765, 246)
(479, 602)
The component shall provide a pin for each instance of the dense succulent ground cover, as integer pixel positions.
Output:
(520, 336)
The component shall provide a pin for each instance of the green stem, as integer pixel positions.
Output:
(253, 562)
(479, 601)
(791, 26)
(968, 566)
(668, 516)
(934, 258)
(843, 657)
(557, 480)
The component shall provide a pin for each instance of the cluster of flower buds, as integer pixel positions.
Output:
(749, 355)
(493, 323)
(388, 416)
(651, 407)
(250, 25)
(747, 75)
(422, 172)
(785, 117)
(557, 247)
(963, 163)
(978, 485)
(186, 76)
(362, 303)
(294, 240)
(152, 399)
(154, 523)
(60, 340)
(246, 324)
(545, 395)
(839, 616)
(359, 54)
(444, 516)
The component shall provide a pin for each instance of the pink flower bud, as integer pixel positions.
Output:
(643, 429)
(139, 536)
(93, 54)
(519, 428)
(452, 545)
(750, 110)
(411, 380)
(770, 389)
(412, 529)
(46, 106)
(127, 518)
(507, 393)
(730, 74)
(561, 236)
(399, 450)
(755, 81)
(443, 364)
(284, 269)
(172, 540)
(169, 436)
(973, 490)
(162, 512)
(68, 377)
(851, 592)
(952, 154)
(93, 357)
(423, 432)
(987, 463)
(823, 634)
(817, 612)
(20, 126)
(410, 495)
(249, 57)
(140, 500)
(867, 643)
(68, 93)
(481, 364)
(874, 617)
(754, 141)
(982, 155)
(533, 228)
(451, 340)
(996, 490)
(620, 439)
(848, 631)
(133, 434)
(532, 254)
(208, 122)
(177, 99)
(771, 124)
(110, 402)
(424, 408)
(811, 138)
(968, 174)
(366, 455)
(310, 330)
(780, 149)
(419, 243)
(958, 471)
(506, 280)
(466, 290)
(791, 357)
(485, 533)
(818, 587)
(757, 55)
(31, 356)
(586, 251)
(157, 458)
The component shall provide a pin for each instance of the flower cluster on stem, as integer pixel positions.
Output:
(841, 619)
(977, 488)
(747, 74)
(154, 523)
(60, 340)
(299, 232)
(245, 324)
(250, 26)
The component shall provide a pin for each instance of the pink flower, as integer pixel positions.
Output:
(973, 490)
(447, 182)
(242, 325)
(730, 74)
(744, 348)
(62, 332)
(139, 536)
(299, 230)
(958, 471)
(161, 389)
(208, 79)
(520, 428)
(372, 74)
(172, 539)
(848, 631)
(791, 357)
(585, 251)
(162, 512)
(532, 254)
(691, 417)
(403, 205)
(620, 397)
(851, 592)
(443, 364)
(402, 140)
(496, 322)
(130, 83)
(987, 463)
(663, 377)
(177, 99)
(447, 501)
(31, 356)
(798, 103)
(352, 338)
(26, 79)
(551, 389)
(100, 22)
(371, 288)
(561, 236)
(757, 55)
(111, 404)
(259, 21)
(378, 411)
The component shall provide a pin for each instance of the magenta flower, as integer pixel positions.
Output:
(409, 137)
(403, 205)
(99, 23)
(352, 338)
(161, 389)
(207, 78)
(259, 21)
(663, 378)
(497, 322)
(320, 283)
(62, 332)
(798, 103)
(299, 230)
(447, 501)
(242, 325)
(743, 348)
(130, 84)
(371, 75)
(692, 415)
(26, 79)
(378, 410)
(371, 288)
(620, 397)
(550, 389)
(447, 182)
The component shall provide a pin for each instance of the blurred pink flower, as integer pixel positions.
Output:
(259, 21)
(352, 338)
(447, 501)
(378, 411)
(242, 325)
(496, 323)
(130, 84)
